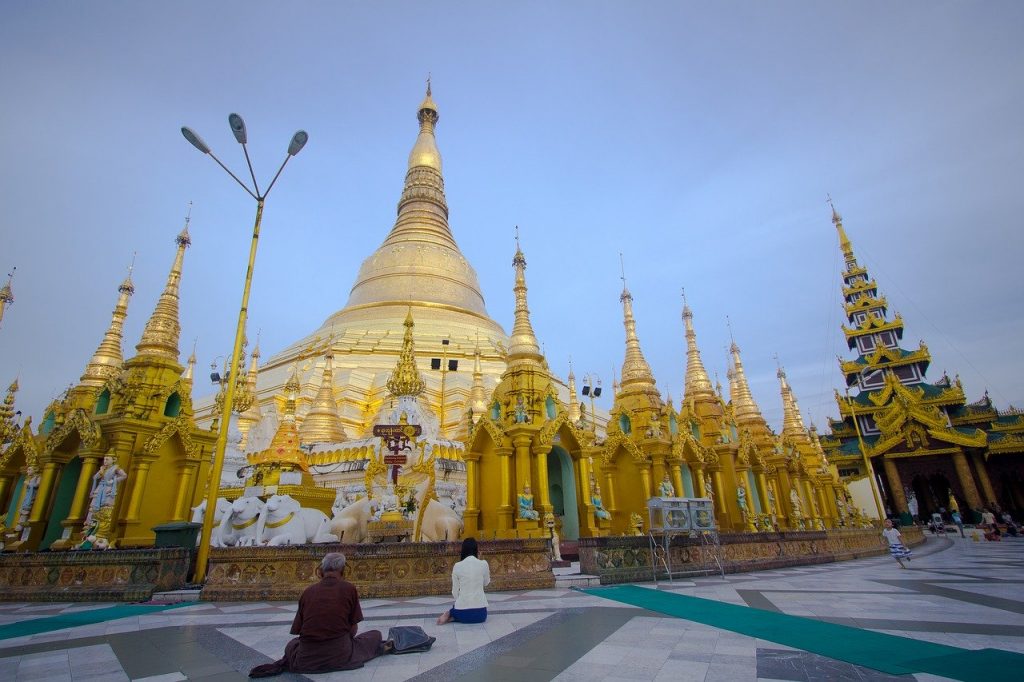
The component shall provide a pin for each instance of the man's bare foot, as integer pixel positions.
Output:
(445, 617)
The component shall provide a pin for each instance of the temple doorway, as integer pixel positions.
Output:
(562, 492)
(932, 492)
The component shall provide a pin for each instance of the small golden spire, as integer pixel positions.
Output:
(425, 152)
(323, 423)
(636, 373)
(477, 393)
(792, 421)
(574, 403)
(697, 384)
(523, 347)
(406, 379)
(160, 337)
(6, 295)
(844, 241)
(190, 369)
(107, 360)
(745, 410)
(251, 412)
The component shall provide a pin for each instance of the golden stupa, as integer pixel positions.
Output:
(419, 265)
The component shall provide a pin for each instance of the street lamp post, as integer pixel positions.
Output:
(860, 443)
(298, 141)
(445, 365)
(592, 388)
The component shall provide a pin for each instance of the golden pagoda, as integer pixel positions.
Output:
(139, 413)
(419, 264)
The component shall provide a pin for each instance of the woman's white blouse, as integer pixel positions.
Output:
(469, 577)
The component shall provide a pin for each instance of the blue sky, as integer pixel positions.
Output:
(698, 139)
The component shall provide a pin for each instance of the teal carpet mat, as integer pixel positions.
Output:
(876, 650)
(86, 617)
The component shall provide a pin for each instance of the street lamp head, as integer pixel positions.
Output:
(194, 139)
(597, 391)
(238, 128)
(299, 140)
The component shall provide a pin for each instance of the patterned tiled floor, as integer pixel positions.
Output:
(956, 592)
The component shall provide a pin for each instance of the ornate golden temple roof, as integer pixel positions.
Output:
(160, 337)
(406, 379)
(322, 423)
(107, 360)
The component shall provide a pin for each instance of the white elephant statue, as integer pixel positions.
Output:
(238, 526)
(285, 522)
(440, 523)
(199, 513)
(349, 524)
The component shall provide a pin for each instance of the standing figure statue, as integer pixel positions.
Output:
(31, 486)
(102, 497)
(912, 505)
(526, 510)
(666, 489)
(595, 499)
(520, 410)
(798, 512)
(741, 498)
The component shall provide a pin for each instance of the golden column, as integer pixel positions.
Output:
(76, 514)
(183, 495)
(645, 479)
(677, 479)
(963, 472)
(608, 498)
(41, 505)
(505, 500)
(471, 516)
(785, 511)
(540, 458)
(140, 474)
(698, 480)
(979, 465)
(899, 496)
(762, 491)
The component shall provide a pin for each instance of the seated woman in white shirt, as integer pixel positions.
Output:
(469, 577)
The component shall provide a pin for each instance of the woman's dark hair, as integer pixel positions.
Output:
(469, 547)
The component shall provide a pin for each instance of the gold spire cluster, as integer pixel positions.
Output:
(160, 337)
(322, 423)
(697, 384)
(406, 379)
(7, 427)
(107, 360)
(284, 450)
(523, 347)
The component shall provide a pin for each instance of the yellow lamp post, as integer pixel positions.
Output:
(298, 141)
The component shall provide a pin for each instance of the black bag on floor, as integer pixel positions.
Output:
(410, 639)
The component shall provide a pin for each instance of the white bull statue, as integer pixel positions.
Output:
(238, 526)
(286, 522)
(199, 513)
(440, 523)
(349, 524)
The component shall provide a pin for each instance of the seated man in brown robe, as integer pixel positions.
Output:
(326, 625)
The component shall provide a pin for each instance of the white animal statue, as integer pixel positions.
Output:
(440, 523)
(349, 524)
(285, 522)
(238, 526)
(199, 513)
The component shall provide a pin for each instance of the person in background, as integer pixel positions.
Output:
(469, 577)
(326, 624)
(897, 549)
(959, 523)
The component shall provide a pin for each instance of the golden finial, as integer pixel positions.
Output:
(696, 383)
(635, 370)
(745, 409)
(6, 295)
(792, 421)
(844, 241)
(107, 360)
(523, 345)
(160, 336)
(428, 84)
(406, 379)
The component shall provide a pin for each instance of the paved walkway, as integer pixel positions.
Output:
(956, 592)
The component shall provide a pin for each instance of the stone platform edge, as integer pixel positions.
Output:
(628, 559)
(113, 575)
(377, 570)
